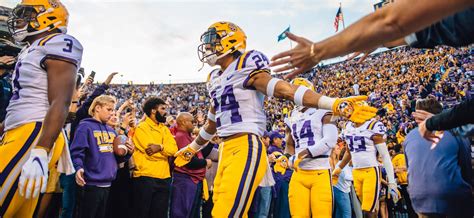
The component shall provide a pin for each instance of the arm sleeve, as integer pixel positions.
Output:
(207, 150)
(169, 144)
(387, 162)
(455, 117)
(196, 163)
(328, 141)
(456, 30)
(83, 111)
(137, 138)
(78, 148)
(96, 93)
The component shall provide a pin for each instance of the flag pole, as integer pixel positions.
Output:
(291, 45)
(343, 25)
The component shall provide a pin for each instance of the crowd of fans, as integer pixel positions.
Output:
(393, 80)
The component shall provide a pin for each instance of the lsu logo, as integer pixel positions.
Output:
(233, 27)
(54, 3)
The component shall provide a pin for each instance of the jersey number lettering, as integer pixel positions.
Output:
(16, 83)
(260, 60)
(305, 132)
(227, 103)
(68, 45)
(356, 143)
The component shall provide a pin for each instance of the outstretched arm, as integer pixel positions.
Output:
(346, 107)
(392, 22)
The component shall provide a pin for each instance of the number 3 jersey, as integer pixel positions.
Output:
(307, 129)
(29, 102)
(360, 143)
(238, 107)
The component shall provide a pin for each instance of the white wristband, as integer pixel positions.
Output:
(326, 102)
(195, 146)
(271, 86)
(299, 94)
(204, 135)
(211, 116)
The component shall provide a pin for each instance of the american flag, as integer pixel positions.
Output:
(338, 18)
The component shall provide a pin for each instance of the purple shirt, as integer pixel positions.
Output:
(92, 150)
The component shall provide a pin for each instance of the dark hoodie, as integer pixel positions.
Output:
(92, 150)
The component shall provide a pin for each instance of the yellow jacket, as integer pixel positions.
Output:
(399, 161)
(157, 165)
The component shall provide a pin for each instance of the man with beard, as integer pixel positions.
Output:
(151, 178)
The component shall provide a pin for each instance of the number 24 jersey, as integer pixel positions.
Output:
(238, 107)
(360, 143)
(29, 102)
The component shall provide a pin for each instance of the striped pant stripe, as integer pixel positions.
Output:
(4, 174)
(254, 174)
(9, 197)
(246, 181)
(377, 191)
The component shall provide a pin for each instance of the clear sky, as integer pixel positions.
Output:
(146, 40)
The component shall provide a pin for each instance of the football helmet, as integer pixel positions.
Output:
(32, 17)
(221, 39)
(303, 82)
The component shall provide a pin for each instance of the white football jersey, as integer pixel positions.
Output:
(29, 102)
(238, 108)
(306, 130)
(360, 143)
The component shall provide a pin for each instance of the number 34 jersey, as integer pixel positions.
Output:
(360, 143)
(238, 107)
(306, 130)
(29, 102)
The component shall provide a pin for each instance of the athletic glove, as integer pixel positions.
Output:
(393, 192)
(34, 174)
(184, 155)
(281, 164)
(354, 108)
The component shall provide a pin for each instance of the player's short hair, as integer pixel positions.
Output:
(151, 103)
(429, 104)
(101, 101)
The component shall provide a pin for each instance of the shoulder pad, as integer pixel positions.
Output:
(253, 60)
(61, 47)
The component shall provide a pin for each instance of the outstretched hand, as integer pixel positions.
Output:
(300, 59)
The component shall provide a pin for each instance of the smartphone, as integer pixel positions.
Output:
(92, 74)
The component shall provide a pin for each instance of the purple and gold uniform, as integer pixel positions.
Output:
(366, 170)
(25, 114)
(239, 109)
(310, 191)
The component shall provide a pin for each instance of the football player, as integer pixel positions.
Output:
(238, 89)
(311, 135)
(364, 140)
(43, 83)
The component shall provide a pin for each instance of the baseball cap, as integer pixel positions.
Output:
(276, 134)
